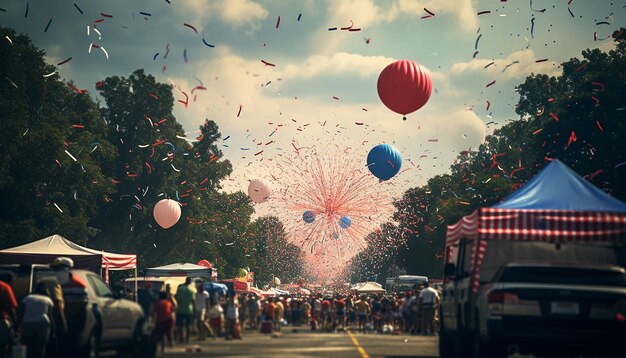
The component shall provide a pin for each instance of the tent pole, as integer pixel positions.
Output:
(135, 283)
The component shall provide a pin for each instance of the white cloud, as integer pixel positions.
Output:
(234, 12)
(367, 12)
(338, 63)
(527, 65)
(241, 12)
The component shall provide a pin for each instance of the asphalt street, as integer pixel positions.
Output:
(304, 343)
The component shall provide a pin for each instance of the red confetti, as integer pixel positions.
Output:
(599, 126)
(490, 83)
(238, 113)
(278, 22)
(554, 116)
(268, 63)
(484, 12)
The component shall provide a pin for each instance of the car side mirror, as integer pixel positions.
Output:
(449, 270)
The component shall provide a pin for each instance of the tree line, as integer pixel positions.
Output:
(578, 117)
(92, 173)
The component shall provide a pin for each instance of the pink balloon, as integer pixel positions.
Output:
(404, 86)
(166, 213)
(259, 190)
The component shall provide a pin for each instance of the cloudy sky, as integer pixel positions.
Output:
(323, 81)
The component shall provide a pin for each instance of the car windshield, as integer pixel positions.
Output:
(563, 275)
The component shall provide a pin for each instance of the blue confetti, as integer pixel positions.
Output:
(208, 44)
(77, 8)
(48, 26)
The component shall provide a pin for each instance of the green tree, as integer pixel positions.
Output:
(53, 146)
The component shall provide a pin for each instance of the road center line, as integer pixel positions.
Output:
(358, 346)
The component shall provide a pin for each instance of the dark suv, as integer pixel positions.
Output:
(536, 306)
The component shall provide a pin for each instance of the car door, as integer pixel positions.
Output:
(112, 317)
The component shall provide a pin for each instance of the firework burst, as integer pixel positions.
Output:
(343, 204)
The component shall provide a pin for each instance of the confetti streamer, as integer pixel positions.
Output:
(191, 27)
(64, 61)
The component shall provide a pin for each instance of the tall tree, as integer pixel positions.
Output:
(52, 149)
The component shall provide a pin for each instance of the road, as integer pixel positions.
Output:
(304, 343)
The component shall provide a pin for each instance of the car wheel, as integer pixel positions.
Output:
(462, 347)
(482, 348)
(446, 345)
(136, 343)
(93, 345)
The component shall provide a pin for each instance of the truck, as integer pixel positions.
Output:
(542, 269)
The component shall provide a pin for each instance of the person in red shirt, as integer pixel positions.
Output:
(8, 318)
(162, 313)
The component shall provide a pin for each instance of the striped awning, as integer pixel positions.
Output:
(487, 224)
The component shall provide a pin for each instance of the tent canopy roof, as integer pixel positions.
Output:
(372, 287)
(558, 187)
(179, 269)
(57, 245)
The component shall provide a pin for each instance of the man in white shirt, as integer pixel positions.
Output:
(428, 301)
(201, 303)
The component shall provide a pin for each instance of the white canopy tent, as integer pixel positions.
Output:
(370, 287)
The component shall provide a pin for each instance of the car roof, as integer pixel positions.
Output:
(567, 264)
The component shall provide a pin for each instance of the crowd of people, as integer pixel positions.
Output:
(38, 320)
(193, 310)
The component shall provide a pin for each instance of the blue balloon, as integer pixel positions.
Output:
(384, 161)
(345, 222)
(308, 216)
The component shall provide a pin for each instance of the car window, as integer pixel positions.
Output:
(563, 275)
(101, 288)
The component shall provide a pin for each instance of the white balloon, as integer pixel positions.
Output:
(166, 213)
(259, 190)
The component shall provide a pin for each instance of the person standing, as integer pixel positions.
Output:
(340, 308)
(253, 308)
(278, 314)
(8, 317)
(184, 312)
(162, 314)
(232, 316)
(306, 311)
(428, 301)
(201, 308)
(37, 322)
(362, 309)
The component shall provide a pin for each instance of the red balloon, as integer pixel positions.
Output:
(404, 86)
(205, 263)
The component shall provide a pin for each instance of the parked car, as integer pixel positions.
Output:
(544, 300)
(536, 307)
(98, 318)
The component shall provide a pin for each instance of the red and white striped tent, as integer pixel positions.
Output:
(557, 205)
